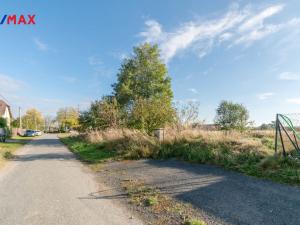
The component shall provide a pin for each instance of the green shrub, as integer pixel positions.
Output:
(3, 122)
(194, 222)
(150, 201)
(8, 155)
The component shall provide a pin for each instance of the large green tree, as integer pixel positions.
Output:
(144, 75)
(232, 116)
(143, 89)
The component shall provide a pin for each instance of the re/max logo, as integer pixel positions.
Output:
(19, 20)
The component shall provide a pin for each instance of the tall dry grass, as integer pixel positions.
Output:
(126, 142)
(137, 144)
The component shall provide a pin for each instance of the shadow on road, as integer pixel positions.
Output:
(45, 145)
(232, 197)
(48, 156)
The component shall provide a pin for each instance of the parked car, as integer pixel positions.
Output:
(38, 132)
(3, 135)
(30, 133)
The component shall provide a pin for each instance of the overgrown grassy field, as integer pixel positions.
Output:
(251, 153)
(7, 149)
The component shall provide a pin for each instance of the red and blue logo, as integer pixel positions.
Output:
(17, 20)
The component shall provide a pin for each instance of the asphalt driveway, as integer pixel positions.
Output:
(222, 197)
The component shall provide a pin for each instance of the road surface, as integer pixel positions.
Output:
(46, 185)
(222, 196)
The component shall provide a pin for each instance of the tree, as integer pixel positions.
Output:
(143, 76)
(187, 114)
(33, 119)
(232, 116)
(102, 114)
(143, 89)
(3, 122)
(16, 123)
(267, 126)
(149, 114)
(67, 117)
(49, 121)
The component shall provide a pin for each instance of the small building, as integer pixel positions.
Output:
(5, 112)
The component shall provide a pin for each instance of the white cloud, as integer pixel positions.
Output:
(264, 96)
(293, 100)
(193, 90)
(154, 31)
(289, 76)
(100, 70)
(258, 34)
(257, 21)
(94, 60)
(237, 26)
(226, 36)
(40, 45)
(51, 101)
(69, 79)
(120, 55)
(9, 84)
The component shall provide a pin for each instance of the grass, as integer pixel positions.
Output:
(91, 153)
(7, 149)
(250, 153)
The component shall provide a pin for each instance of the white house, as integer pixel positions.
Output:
(5, 112)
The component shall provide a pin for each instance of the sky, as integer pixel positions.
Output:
(242, 51)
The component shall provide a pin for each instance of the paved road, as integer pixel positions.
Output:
(46, 185)
(222, 197)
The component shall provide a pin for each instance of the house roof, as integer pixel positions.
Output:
(3, 106)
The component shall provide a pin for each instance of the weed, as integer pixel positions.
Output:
(150, 201)
(194, 222)
(8, 155)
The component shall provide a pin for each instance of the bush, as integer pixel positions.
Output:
(8, 155)
(3, 122)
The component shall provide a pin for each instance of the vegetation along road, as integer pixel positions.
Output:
(46, 185)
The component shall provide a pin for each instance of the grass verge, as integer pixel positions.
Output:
(7, 149)
(91, 153)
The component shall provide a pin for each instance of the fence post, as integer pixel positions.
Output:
(160, 134)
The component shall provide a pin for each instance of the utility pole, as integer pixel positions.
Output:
(20, 120)
(35, 122)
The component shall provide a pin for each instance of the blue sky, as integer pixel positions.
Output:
(243, 51)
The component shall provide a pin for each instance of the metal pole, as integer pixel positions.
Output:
(288, 136)
(276, 135)
(20, 120)
(296, 141)
(283, 148)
